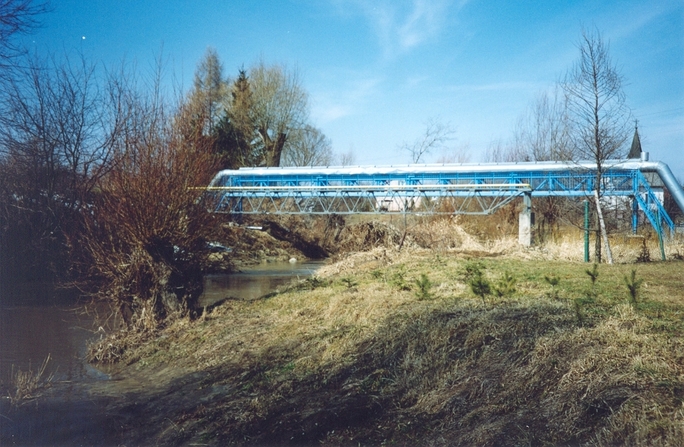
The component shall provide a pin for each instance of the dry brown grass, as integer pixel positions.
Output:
(28, 385)
(493, 234)
(336, 361)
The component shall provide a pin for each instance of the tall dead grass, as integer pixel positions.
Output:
(455, 234)
(328, 363)
(29, 384)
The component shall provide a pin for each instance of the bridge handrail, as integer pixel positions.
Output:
(414, 187)
(224, 177)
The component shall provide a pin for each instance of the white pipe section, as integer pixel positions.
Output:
(659, 167)
(670, 182)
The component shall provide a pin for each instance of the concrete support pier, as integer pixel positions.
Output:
(525, 222)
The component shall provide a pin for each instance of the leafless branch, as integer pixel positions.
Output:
(436, 135)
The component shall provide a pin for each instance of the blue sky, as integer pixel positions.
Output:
(377, 71)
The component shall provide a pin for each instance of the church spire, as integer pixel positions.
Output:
(635, 151)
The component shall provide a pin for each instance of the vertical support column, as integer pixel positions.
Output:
(238, 210)
(525, 221)
(586, 231)
(635, 204)
(635, 215)
(660, 235)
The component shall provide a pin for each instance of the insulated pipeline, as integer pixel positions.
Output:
(668, 179)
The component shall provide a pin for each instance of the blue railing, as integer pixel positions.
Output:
(445, 189)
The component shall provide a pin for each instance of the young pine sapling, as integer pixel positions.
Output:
(424, 285)
(505, 287)
(553, 281)
(480, 285)
(633, 285)
(593, 276)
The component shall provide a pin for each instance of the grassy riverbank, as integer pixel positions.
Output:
(362, 354)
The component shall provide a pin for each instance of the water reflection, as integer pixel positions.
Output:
(39, 322)
(34, 329)
(29, 334)
(254, 282)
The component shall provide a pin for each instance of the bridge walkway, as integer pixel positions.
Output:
(440, 189)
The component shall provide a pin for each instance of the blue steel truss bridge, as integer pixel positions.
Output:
(441, 189)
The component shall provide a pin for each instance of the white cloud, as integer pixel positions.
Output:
(327, 113)
(340, 99)
(401, 26)
(633, 20)
(497, 86)
(425, 21)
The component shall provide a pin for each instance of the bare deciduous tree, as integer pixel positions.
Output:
(543, 133)
(60, 118)
(597, 111)
(347, 158)
(58, 123)
(308, 147)
(459, 154)
(146, 230)
(279, 108)
(501, 152)
(16, 17)
(435, 136)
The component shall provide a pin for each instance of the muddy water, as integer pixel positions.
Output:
(255, 281)
(37, 322)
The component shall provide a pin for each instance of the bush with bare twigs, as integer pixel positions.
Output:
(145, 233)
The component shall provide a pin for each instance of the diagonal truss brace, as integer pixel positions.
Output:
(366, 199)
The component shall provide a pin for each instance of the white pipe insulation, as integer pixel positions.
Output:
(658, 167)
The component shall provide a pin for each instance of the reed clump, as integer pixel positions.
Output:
(29, 384)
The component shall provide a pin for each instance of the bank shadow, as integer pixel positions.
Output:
(418, 377)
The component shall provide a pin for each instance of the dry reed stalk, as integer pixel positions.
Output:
(448, 236)
(27, 385)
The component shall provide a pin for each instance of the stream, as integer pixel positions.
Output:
(37, 322)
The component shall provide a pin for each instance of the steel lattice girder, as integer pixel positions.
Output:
(328, 191)
(360, 199)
